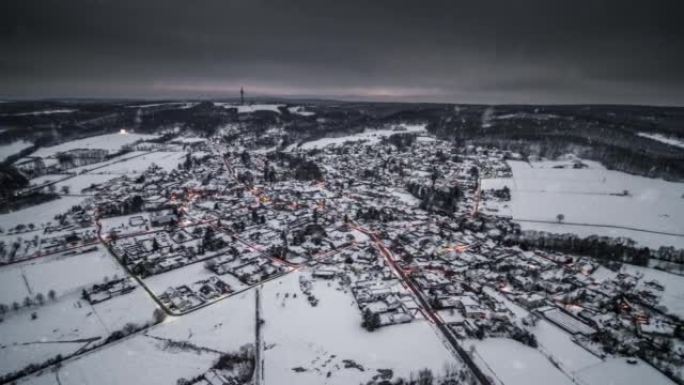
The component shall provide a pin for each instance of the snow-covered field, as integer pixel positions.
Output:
(368, 136)
(514, 363)
(48, 178)
(179, 105)
(109, 142)
(116, 159)
(44, 112)
(555, 341)
(7, 150)
(319, 338)
(664, 139)
(248, 108)
(576, 361)
(148, 359)
(189, 140)
(128, 164)
(405, 197)
(56, 273)
(616, 371)
(64, 326)
(592, 196)
(672, 296)
(166, 160)
(299, 110)
(79, 182)
(39, 214)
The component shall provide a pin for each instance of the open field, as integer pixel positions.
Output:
(672, 296)
(166, 160)
(67, 325)
(513, 363)
(56, 273)
(618, 371)
(663, 139)
(80, 182)
(40, 214)
(593, 201)
(13, 148)
(110, 142)
(319, 339)
(152, 358)
(249, 108)
(368, 136)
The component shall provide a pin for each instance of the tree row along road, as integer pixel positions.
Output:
(426, 309)
(258, 354)
(40, 253)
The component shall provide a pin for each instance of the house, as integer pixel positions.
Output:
(162, 218)
(325, 274)
(532, 300)
(474, 311)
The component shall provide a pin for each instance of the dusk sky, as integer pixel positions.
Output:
(529, 51)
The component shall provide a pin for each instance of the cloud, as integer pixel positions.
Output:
(486, 51)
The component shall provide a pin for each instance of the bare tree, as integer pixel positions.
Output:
(560, 218)
(158, 315)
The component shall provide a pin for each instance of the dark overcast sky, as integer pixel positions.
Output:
(505, 51)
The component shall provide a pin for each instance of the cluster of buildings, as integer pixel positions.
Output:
(186, 297)
(400, 225)
(107, 290)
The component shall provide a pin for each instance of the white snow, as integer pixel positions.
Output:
(6, 150)
(525, 115)
(61, 323)
(672, 296)
(664, 139)
(116, 159)
(44, 112)
(405, 197)
(190, 139)
(47, 178)
(556, 342)
(369, 136)
(585, 196)
(142, 359)
(166, 160)
(109, 142)
(516, 364)
(249, 108)
(187, 275)
(65, 274)
(79, 182)
(319, 338)
(39, 214)
(299, 110)
(180, 105)
(616, 371)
